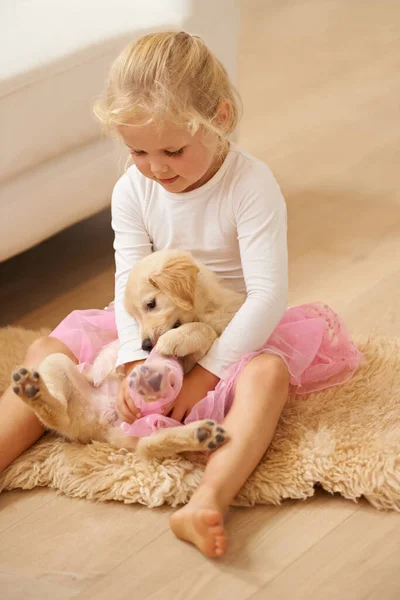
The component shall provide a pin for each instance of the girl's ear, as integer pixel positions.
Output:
(223, 114)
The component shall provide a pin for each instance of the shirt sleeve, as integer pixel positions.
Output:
(131, 244)
(260, 214)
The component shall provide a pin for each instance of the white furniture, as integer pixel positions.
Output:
(55, 168)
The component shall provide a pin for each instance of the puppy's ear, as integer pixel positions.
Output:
(178, 280)
(129, 297)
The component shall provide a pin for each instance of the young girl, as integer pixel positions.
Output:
(171, 102)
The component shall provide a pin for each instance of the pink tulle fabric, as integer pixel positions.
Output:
(86, 332)
(311, 339)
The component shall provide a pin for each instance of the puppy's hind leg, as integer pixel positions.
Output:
(118, 439)
(198, 436)
(32, 390)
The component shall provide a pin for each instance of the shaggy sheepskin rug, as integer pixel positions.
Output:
(345, 439)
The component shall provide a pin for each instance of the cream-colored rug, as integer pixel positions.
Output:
(346, 439)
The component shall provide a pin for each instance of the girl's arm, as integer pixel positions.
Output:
(259, 211)
(131, 244)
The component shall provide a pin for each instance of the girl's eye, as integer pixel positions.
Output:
(177, 324)
(176, 153)
(137, 152)
(151, 304)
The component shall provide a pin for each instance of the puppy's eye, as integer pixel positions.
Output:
(151, 304)
(177, 324)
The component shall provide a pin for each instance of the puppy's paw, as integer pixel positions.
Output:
(26, 384)
(172, 343)
(210, 435)
(152, 380)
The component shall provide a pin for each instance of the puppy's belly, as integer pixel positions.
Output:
(103, 400)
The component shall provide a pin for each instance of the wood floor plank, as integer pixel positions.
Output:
(266, 539)
(72, 542)
(15, 506)
(24, 588)
(357, 560)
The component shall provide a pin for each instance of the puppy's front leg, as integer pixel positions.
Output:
(198, 436)
(190, 339)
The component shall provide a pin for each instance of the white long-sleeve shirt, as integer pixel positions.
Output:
(235, 224)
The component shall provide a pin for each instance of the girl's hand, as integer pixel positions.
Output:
(126, 408)
(182, 406)
(195, 387)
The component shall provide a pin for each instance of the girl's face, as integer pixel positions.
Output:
(171, 155)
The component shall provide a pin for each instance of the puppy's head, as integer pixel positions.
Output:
(160, 293)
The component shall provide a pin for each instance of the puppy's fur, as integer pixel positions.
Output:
(181, 308)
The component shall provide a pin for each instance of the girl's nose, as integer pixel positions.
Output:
(158, 167)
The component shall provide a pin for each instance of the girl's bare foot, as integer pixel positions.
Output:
(201, 523)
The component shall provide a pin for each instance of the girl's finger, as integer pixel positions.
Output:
(133, 409)
(178, 413)
(123, 410)
(124, 413)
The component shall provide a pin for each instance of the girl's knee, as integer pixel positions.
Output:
(267, 368)
(42, 347)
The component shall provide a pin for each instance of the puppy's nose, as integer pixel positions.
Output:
(147, 346)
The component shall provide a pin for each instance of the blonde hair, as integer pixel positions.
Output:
(169, 75)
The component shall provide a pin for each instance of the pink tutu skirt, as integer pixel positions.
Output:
(311, 339)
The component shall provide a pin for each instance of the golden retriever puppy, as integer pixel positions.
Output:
(181, 308)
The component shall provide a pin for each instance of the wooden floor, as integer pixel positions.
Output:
(320, 81)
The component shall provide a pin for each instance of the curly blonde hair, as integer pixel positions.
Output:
(173, 76)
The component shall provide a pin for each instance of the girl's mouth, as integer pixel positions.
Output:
(169, 181)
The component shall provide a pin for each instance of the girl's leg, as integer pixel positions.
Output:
(19, 426)
(260, 395)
